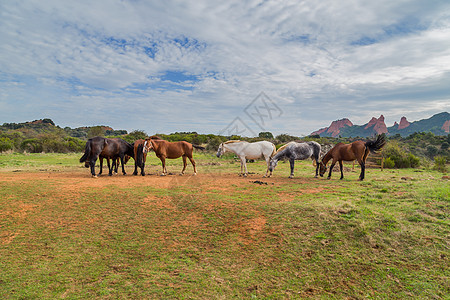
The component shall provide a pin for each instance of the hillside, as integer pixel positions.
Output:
(438, 124)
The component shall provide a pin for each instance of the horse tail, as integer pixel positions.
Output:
(198, 147)
(87, 151)
(375, 145)
(140, 155)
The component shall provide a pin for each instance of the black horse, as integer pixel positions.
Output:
(107, 148)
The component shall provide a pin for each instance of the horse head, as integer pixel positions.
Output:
(148, 145)
(220, 151)
(323, 168)
(272, 164)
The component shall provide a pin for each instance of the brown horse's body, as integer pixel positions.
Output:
(164, 149)
(358, 150)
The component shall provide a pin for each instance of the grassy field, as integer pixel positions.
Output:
(220, 236)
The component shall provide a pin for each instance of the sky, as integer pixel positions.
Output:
(223, 67)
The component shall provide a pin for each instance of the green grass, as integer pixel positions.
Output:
(383, 238)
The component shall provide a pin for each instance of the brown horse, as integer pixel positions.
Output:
(358, 150)
(164, 149)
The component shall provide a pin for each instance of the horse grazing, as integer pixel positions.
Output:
(296, 151)
(140, 156)
(107, 148)
(164, 149)
(245, 150)
(358, 150)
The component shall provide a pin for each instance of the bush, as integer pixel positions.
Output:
(389, 163)
(439, 163)
(5, 144)
(401, 159)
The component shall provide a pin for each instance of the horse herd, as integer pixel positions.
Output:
(119, 151)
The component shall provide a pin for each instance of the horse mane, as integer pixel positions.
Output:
(282, 147)
(232, 141)
(154, 137)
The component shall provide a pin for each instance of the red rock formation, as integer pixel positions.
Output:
(378, 125)
(403, 123)
(334, 128)
(446, 126)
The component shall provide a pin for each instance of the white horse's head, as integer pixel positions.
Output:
(273, 164)
(221, 150)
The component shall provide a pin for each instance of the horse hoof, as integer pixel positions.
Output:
(290, 177)
(328, 178)
(195, 174)
(94, 176)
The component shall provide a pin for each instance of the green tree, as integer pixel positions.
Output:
(266, 135)
(96, 131)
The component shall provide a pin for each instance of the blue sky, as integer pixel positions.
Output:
(166, 66)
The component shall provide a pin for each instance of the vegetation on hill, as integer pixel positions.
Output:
(44, 136)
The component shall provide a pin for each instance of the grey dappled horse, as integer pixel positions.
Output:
(296, 151)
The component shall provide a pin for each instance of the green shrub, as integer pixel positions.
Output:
(392, 152)
(389, 163)
(439, 163)
(5, 144)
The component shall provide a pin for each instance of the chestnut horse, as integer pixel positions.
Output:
(164, 149)
(358, 150)
(107, 148)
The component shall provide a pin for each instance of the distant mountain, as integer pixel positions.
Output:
(438, 124)
(334, 128)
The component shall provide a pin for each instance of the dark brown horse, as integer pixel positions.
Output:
(139, 156)
(164, 149)
(358, 150)
(107, 148)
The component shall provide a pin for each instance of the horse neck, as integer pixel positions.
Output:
(279, 155)
(156, 145)
(327, 157)
(233, 147)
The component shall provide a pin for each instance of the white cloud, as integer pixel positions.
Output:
(102, 61)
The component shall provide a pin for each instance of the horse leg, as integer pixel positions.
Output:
(268, 164)
(101, 166)
(331, 169)
(245, 167)
(317, 167)
(110, 169)
(342, 169)
(193, 164)
(163, 162)
(135, 168)
(92, 165)
(123, 165)
(143, 164)
(184, 165)
(363, 170)
(292, 163)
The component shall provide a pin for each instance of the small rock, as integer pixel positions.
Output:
(446, 177)
(407, 178)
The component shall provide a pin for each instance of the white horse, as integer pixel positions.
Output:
(245, 150)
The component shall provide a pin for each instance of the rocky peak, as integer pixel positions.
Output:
(378, 125)
(403, 123)
(446, 126)
(334, 128)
